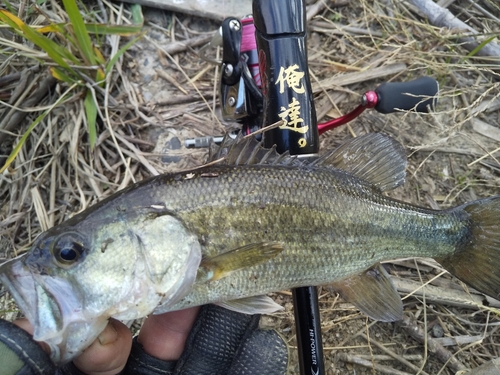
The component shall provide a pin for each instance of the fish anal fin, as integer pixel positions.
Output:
(374, 157)
(220, 266)
(373, 293)
(252, 305)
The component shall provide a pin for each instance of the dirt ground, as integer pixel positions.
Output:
(164, 94)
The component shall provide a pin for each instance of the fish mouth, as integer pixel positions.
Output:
(53, 309)
(21, 285)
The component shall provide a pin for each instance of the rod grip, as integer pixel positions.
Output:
(418, 94)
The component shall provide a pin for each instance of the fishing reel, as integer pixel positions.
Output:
(240, 85)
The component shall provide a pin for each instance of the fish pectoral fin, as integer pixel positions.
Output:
(252, 305)
(373, 293)
(215, 268)
(375, 158)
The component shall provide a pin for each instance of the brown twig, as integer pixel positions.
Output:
(381, 369)
(181, 46)
(350, 78)
(443, 354)
(393, 354)
(442, 17)
(10, 121)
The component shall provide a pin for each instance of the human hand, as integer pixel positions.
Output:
(162, 336)
(219, 342)
(106, 356)
(213, 340)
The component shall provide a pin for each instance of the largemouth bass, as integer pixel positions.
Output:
(232, 231)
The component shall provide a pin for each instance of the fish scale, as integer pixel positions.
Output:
(334, 225)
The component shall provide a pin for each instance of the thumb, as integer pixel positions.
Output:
(164, 336)
(108, 353)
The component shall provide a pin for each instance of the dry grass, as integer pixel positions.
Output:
(160, 92)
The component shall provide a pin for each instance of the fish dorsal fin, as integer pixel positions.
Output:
(246, 150)
(373, 293)
(376, 158)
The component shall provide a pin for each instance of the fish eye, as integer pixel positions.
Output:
(68, 248)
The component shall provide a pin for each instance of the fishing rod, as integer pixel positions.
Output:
(280, 31)
(265, 79)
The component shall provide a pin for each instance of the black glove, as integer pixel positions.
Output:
(222, 342)
(20, 354)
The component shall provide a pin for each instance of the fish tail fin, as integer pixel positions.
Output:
(476, 260)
